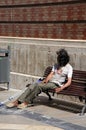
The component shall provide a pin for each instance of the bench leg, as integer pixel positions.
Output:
(48, 95)
(83, 109)
(8, 86)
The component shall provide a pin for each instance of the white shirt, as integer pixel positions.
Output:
(59, 79)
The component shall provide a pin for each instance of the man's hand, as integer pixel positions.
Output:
(44, 81)
(58, 89)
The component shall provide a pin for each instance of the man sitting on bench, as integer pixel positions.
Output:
(55, 80)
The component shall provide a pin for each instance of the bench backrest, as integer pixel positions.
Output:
(79, 76)
(78, 85)
(47, 71)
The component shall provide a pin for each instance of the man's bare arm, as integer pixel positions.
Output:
(64, 86)
(48, 77)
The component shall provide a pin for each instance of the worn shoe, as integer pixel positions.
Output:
(22, 105)
(12, 104)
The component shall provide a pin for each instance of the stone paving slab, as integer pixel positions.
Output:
(38, 118)
(26, 127)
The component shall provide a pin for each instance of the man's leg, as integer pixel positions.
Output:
(22, 97)
(47, 86)
(36, 91)
(28, 100)
(41, 87)
(27, 92)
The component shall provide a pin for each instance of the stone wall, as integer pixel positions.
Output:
(30, 57)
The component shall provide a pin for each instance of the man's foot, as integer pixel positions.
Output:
(22, 105)
(12, 104)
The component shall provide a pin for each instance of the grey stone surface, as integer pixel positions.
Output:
(44, 113)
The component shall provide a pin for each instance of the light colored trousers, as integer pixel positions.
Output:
(34, 90)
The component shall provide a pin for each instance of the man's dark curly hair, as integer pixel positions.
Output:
(62, 57)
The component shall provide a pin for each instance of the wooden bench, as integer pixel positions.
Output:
(77, 87)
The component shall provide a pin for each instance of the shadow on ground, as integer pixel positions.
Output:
(2, 89)
(58, 104)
